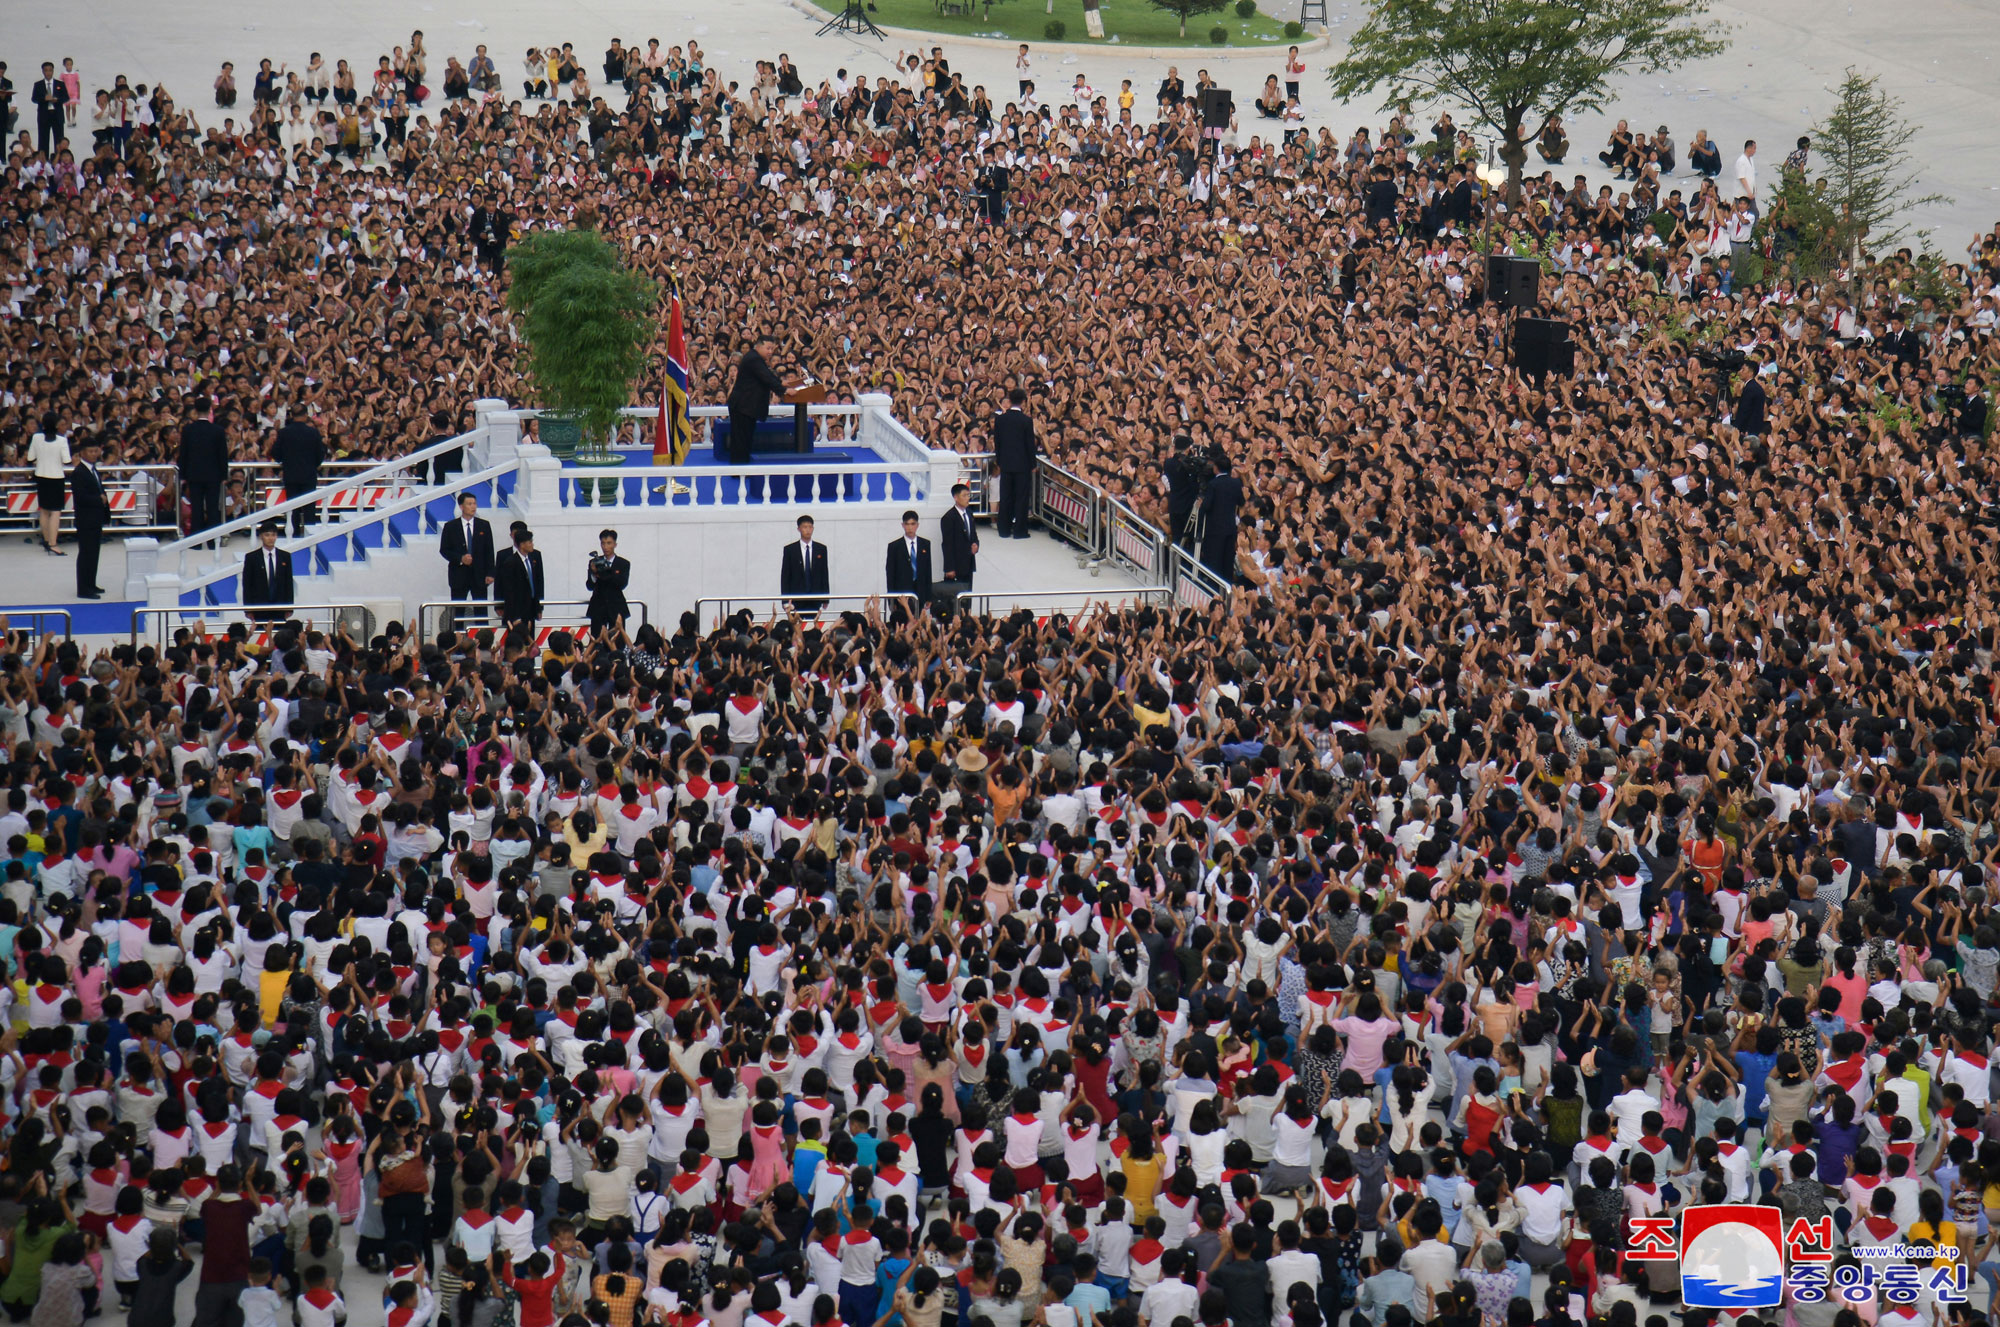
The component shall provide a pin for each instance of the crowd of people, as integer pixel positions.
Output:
(1584, 808)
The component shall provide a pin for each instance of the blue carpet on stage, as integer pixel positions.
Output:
(88, 617)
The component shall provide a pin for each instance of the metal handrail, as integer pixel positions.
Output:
(972, 473)
(1084, 530)
(1083, 597)
(228, 614)
(724, 601)
(21, 479)
(216, 534)
(460, 605)
(35, 615)
(1195, 586)
(309, 543)
(1131, 541)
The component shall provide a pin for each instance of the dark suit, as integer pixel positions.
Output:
(902, 576)
(750, 401)
(1218, 525)
(203, 463)
(93, 512)
(467, 582)
(958, 534)
(519, 585)
(796, 577)
(260, 586)
(299, 451)
(606, 584)
(1749, 415)
(1014, 449)
(49, 96)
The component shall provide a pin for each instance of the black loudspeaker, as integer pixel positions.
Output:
(1542, 346)
(1512, 283)
(1216, 107)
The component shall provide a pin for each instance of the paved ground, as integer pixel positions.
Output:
(1776, 78)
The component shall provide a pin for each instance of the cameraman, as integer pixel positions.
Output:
(606, 579)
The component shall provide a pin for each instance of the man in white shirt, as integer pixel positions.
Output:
(1173, 1295)
(1290, 1267)
(1746, 173)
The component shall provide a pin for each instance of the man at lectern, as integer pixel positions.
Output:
(750, 398)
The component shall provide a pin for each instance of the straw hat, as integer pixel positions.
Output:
(971, 759)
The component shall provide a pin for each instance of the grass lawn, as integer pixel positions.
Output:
(1126, 22)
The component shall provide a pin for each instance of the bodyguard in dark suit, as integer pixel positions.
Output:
(520, 584)
(803, 569)
(299, 451)
(1014, 450)
(1748, 416)
(907, 567)
(466, 544)
(267, 574)
(960, 539)
(1219, 504)
(203, 464)
(750, 397)
(92, 507)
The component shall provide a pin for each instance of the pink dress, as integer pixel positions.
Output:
(346, 1158)
(767, 1156)
(89, 985)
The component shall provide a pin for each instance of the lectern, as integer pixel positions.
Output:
(801, 399)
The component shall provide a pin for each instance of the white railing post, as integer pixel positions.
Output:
(874, 409)
(495, 444)
(142, 559)
(535, 483)
(163, 590)
(944, 473)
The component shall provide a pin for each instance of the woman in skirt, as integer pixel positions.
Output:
(48, 452)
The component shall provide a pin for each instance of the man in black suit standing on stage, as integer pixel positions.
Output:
(750, 397)
(466, 544)
(267, 573)
(93, 512)
(299, 451)
(803, 569)
(1014, 450)
(907, 567)
(960, 539)
(204, 464)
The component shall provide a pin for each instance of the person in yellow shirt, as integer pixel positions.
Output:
(1125, 98)
(273, 981)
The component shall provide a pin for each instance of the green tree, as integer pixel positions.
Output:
(1187, 9)
(586, 320)
(1803, 225)
(1865, 165)
(1507, 61)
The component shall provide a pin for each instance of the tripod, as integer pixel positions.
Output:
(854, 18)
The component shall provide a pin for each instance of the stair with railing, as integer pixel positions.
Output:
(343, 556)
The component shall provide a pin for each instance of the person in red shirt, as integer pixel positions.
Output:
(535, 1281)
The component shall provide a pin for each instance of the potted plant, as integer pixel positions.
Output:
(586, 320)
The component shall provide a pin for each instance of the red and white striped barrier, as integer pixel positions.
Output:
(123, 502)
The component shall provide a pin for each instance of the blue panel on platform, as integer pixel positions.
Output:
(773, 435)
(101, 617)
